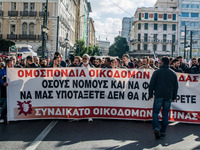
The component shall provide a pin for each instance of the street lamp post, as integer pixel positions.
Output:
(44, 29)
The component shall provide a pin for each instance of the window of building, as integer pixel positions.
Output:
(194, 14)
(12, 29)
(165, 17)
(32, 6)
(145, 37)
(146, 16)
(173, 27)
(164, 37)
(25, 6)
(182, 23)
(155, 37)
(145, 47)
(13, 6)
(173, 38)
(193, 6)
(174, 17)
(140, 16)
(155, 16)
(185, 14)
(197, 5)
(164, 47)
(155, 26)
(183, 5)
(138, 46)
(139, 37)
(1, 8)
(31, 28)
(187, 5)
(165, 27)
(154, 47)
(43, 6)
(196, 24)
(24, 28)
(146, 26)
(139, 26)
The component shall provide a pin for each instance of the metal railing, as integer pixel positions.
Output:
(12, 36)
(12, 13)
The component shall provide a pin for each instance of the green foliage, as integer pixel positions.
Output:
(4, 45)
(119, 47)
(90, 50)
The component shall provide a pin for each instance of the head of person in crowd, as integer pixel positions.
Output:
(2, 65)
(113, 63)
(152, 62)
(37, 60)
(18, 62)
(145, 60)
(43, 63)
(68, 62)
(118, 63)
(107, 62)
(9, 63)
(157, 64)
(23, 63)
(85, 60)
(92, 60)
(98, 63)
(126, 59)
(176, 63)
(76, 61)
(30, 63)
(13, 58)
(29, 60)
(194, 61)
(180, 59)
(1, 59)
(57, 54)
(198, 61)
(135, 61)
(56, 62)
(170, 60)
(103, 61)
(48, 60)
(139, 63)
(165, 61)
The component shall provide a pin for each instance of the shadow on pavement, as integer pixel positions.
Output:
(138, 133)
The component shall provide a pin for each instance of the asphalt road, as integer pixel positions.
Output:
(97, 135)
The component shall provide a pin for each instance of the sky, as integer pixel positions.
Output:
(108, 16)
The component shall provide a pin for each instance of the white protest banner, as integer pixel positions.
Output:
(66, 93)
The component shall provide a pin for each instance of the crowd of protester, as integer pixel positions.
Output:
(176, 64)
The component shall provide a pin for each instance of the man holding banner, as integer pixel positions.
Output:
(164, 87)
(3, 85)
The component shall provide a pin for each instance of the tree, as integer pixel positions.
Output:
(90, 50)
(83, 49)
(96, 51)
(119, 47)
(4, 45)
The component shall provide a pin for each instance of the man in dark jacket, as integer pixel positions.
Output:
(175, 66)
(164, 87)
(3, 85)
(30, 63)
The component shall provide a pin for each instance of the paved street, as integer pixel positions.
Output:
(98, 135)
